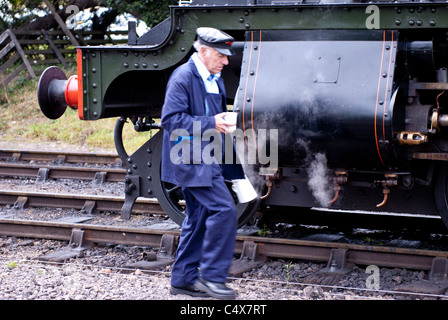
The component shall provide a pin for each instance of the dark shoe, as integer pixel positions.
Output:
(188, 290)
(217, 290)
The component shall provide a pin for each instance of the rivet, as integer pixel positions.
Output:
(149, 178)
(129, 160)
(149, 150)
(419, 22)
(144, 65)
(149, 191)
(241, 19)
(384, 75)
(93, 70)
(95, 114)
(247, 26)
(411, 22)
(136, 65)
(125, 65)
(94, 85)
(397, 22)
(149, 164)
(155, 65)
(95, 100)
(432, 23)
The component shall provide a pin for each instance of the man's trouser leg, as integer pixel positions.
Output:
(208, 234)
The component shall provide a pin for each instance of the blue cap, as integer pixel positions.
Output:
(217, 39)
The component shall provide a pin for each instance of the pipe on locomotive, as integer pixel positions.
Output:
(341, 177)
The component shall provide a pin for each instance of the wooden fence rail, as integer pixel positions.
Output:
(35, 50)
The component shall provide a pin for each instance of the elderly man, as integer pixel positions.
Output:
(195, 101)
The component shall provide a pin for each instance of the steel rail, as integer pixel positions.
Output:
(94, 233)
(20, 199)
(61, 172)
(59, 156)
(357, 254)
(270, 247)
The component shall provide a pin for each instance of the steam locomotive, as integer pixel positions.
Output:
(351, 97)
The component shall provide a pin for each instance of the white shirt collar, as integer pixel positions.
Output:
(202, 69)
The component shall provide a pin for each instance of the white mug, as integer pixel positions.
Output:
(244, 190)
(230, 118)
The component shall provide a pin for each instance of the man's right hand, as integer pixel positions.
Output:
(221, 124)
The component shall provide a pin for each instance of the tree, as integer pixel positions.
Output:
(152, 12)
(26, 15)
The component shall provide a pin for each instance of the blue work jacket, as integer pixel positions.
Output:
(184, 108)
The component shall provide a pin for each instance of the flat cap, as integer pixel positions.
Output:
(216, 39)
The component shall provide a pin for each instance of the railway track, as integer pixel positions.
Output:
(256, 248)
(252, 249)
(337, 254)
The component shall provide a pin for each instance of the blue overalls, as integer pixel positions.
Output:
(208, 232)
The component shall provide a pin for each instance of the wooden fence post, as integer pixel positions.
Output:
(62, 24)
(54, 48)
(10, 62)
(22, 54)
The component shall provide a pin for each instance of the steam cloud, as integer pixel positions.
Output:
(318, 179)
(318, 174)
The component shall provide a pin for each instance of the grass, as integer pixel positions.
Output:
(22, 120)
